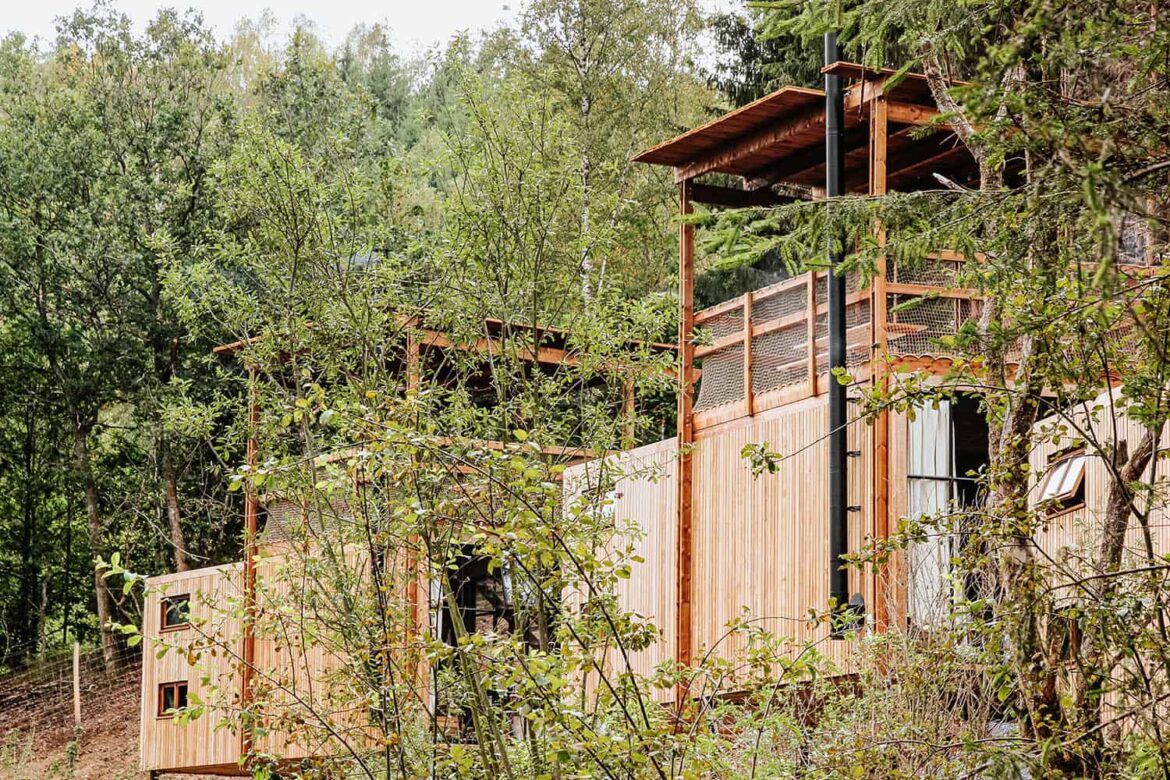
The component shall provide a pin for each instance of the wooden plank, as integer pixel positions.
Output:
(931, 291)
(251, 512)
(719, 344)
(712, 312)
(686, 437)
(728, 197)
(760, 294)
(494, 346)
(805, 160)
(747, 354)
(912, 114)
(728, 153)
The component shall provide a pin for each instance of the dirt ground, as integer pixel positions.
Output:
(42, 744)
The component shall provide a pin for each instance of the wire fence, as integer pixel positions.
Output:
(45, 695)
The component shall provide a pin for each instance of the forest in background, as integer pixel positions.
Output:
(119, 154)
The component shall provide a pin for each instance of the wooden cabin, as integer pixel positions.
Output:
(198, 615)
(723, 544)
(1071, 481)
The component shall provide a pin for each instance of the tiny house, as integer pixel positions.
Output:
(755, 370)
(205, 652)
(724, 544)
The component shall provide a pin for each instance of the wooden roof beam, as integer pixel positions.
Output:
(728, 197)
(913, 114)
(761, 139)
(911, 158)
(805, 160)
(923, 167)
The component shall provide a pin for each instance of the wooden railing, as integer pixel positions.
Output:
(769, 347)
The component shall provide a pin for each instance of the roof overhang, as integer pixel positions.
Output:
(779, 139)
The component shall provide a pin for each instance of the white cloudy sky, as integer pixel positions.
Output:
(415, 24)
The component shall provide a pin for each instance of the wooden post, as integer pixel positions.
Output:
(251, 513)
(77, 685)
(880, 508)
(811, 320)
(686, 435)
(413, 363)
(749, 405)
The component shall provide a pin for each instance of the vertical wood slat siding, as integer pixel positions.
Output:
(892, 581)
(646, 501)
(1079, 531)
(760, 543)
(162, 742)
(305, 668)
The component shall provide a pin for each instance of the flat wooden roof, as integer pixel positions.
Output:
(780, 138)
(765, 112)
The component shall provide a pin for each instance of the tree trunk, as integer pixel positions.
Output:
(1096, 667)
(171, 490)
(22, 624)
(105, 604)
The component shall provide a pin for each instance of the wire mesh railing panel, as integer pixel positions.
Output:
(915, 325)
(922, 306)
(928, 273)
(722, 325)
(822, 290)
(721, 381)
(858, 334)
(779, 359)
(780, 304)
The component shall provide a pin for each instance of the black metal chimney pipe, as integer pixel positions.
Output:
(838, 447)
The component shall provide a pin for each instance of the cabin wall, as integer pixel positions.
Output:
(761, 543)
(299, 659)
(644, 500)
(1073, 536)
(164, 744)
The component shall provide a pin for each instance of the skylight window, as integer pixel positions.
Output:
(1064, 486)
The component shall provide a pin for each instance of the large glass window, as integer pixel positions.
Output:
(947, 447)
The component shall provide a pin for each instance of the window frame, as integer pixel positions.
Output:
(180, 689)
(1063, 497)
(166, 603)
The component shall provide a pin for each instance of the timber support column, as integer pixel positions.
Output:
(686, 437)
(880, 585)
(251, 514)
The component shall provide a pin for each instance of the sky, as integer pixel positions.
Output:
(414, 24)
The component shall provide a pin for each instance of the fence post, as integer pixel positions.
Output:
(77, 684)
(749, 402)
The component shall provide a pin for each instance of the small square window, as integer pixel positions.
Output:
(172, 696)
(1064, 485)
(176, 612)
